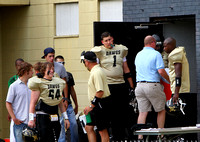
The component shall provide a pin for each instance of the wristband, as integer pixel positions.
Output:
(64, 98)
(95, 101)
(127, 75)
(178, 81)
(65, 115)
(31, 116)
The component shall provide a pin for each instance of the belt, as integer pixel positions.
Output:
(146, 82)
(41, 112)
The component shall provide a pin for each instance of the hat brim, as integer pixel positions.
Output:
(43, 57)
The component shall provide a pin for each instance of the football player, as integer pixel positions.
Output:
(47, 91)
(112, 58)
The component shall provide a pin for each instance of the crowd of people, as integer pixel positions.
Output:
(44, 102)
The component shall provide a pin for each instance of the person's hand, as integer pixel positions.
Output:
(9, 117)
(87, 110)
(175, 98)
(76, 110)
(131, 92)
(67, 124)
(17, 121)
(31, 124)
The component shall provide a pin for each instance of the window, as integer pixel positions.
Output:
(67, 19)
(111, 10)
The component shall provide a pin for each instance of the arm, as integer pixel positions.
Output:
(65, 93)
(178, 72)
(98, 94)
(73, 94)
(34, 98)
(163, 73)
(9, 117)
(10, 111)
(63, 111)
(127, 70)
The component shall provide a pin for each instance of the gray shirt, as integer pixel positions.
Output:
(19, 95)
(60, 70)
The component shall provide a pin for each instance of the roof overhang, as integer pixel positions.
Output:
(14, 2)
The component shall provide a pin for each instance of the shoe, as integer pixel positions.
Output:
(140, 140)
(163, 138)
(180, 139)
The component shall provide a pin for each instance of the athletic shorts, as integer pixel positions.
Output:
(48, 130)
(100, 115)
(148, 95)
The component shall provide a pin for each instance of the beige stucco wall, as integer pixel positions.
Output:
(1, 92)
(14, 2)
(27, 30)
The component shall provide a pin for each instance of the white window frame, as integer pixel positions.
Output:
(67, 19)
(111, 10)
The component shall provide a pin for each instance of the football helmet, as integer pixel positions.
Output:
(30, 135)
(132, 100)
(175, 108)
(157, 38)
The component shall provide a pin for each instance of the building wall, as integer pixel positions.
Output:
(27, 30)
(1, 92)
(71, 47)
(14, 2)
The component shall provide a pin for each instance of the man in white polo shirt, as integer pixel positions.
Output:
(18, 100)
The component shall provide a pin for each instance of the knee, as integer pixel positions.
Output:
(89, 129)
(104, 133)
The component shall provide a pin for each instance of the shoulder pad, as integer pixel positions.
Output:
(33, 83)
(122, 46)
(177, 50)
(35, 79)
(96, 49)
(59, 79)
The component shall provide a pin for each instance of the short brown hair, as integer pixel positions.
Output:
(105, 34)
(44, 67)
(37, 66)
(23, 68)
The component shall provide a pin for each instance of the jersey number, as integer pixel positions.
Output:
(52, 94)
(114, 63)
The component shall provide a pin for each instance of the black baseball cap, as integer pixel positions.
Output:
(89, 55)
(47, 51)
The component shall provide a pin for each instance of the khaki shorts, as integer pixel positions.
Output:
(148, 95)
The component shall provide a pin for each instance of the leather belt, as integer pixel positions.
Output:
(146, 82)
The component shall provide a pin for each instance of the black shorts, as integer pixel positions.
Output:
(47, 129)
(100, 115)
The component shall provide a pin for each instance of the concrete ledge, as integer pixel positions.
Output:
(14, 2)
